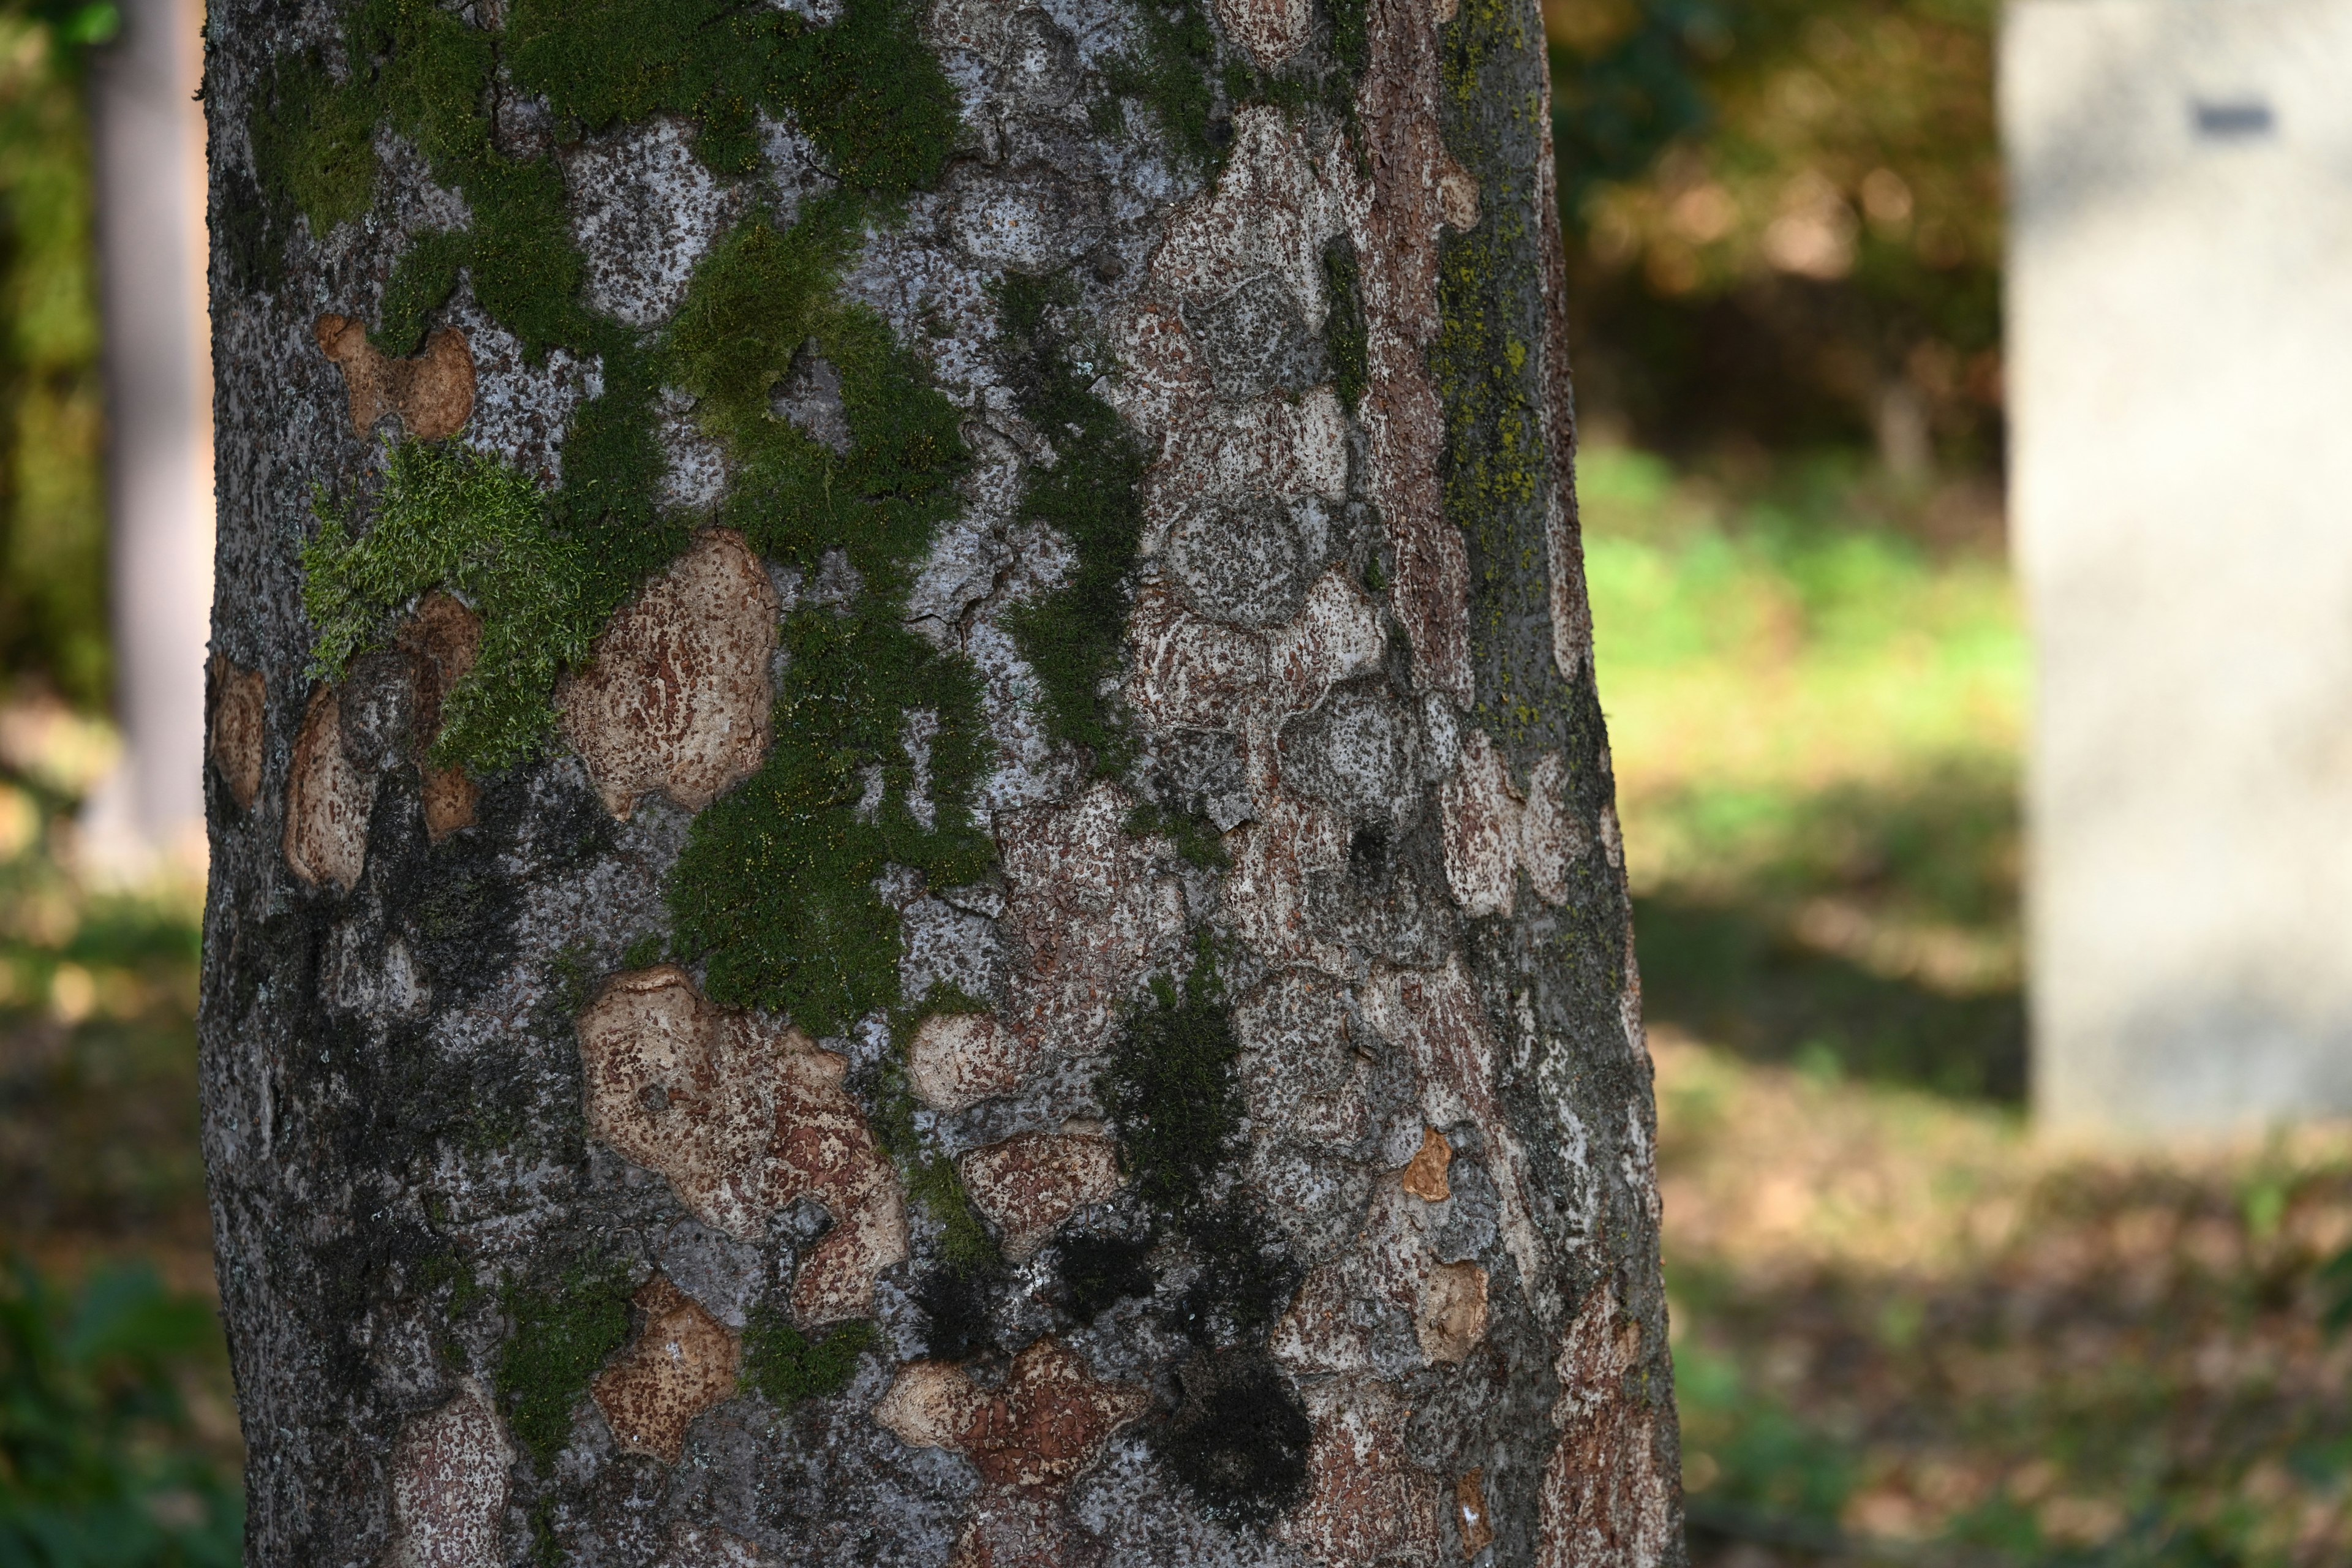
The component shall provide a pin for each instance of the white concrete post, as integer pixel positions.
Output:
(150, 141)
(2181, 354)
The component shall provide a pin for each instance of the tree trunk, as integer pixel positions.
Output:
(913, 856)
(149, 168)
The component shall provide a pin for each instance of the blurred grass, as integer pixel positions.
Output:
(117, 1435)
(1815, 717)
(1905, 1331)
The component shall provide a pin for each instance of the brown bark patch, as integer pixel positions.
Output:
(1029, 1183)
(1453, 1315)
(1397, 107)
(240, 724)
(1365, 1504)
(1271, 30)
(449, 1485)
(1607, 1500)
(742, 1117)
(446, 638)
(432, 392)
(326, 802)
(1470, 1516)
(958, 1059)
(1426, 1174)
(1042, 1429)
(683, 1361)
(676, 696)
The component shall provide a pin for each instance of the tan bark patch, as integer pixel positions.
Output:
(433, 392)
(1453, 1315)
(1267, 889)
(1426, 1174)
(446, 638)
(326, 802)
(449, 1485)
(1470, 1516)
(741, 1117)
(1491, 833)
(683, 1361)
(1365, 1504)
(1029, 1183)
(1338, 634)
(240, 728)
(1607, 1501)
(958, 1059)
(1042, 1429)
(1271, 30)
(676, 696)
(1457, 197)
(1189, 670)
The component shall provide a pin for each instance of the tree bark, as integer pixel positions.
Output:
(913, 856)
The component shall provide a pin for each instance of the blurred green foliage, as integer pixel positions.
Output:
(98, 1461)
(1783, 222)
(52, 508)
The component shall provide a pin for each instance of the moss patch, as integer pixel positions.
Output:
(865, 90)
(1098, 1271)
(1169, 1086)
(450, 517)
(1074, 637)
(931, 1178)
(562, 1337)
(775, 887)
(789, 1366)
(1240, 1438)
(1345, 339)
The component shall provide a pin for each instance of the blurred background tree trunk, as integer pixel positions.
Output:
(148, 142)
(913, 855)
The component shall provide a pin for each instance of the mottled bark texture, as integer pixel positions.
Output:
(912, 851)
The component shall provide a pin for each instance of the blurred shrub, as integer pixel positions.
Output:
(1784, 222)
(52, 506)
(99, 1465)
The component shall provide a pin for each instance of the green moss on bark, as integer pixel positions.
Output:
(1074, 637)
(788, 1366)
(562, 1337)
(450, 517)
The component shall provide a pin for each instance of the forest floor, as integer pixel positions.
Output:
(1905, 1331)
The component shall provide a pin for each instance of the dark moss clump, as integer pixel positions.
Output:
(1245, 1277)
(789, 1366)
(561, 1336)
(1099, 1271)
(865, 90)
(1344, 335)
(1073, 639)
(1240, 1438)
(1169, 1086)
(955, 1302)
